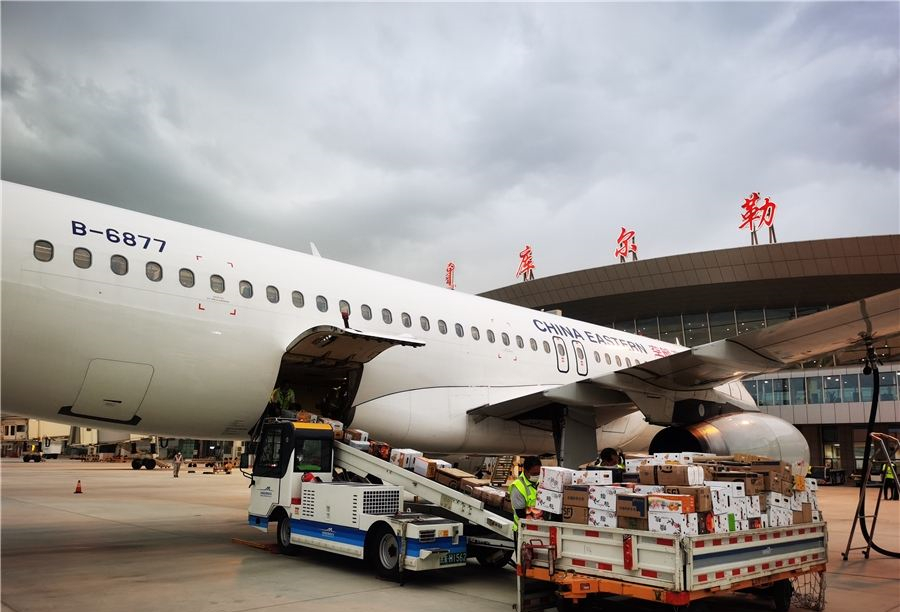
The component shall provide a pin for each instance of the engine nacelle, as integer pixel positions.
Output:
(752, 433)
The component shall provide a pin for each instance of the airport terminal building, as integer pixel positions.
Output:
(697, 298)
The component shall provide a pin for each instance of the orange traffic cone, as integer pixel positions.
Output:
(78, 487)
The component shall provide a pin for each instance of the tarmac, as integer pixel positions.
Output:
(141, 541)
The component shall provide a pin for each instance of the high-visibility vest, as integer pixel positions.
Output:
(528, 491)
(888, 471)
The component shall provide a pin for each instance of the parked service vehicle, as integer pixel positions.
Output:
(293, 485)
(38, 450)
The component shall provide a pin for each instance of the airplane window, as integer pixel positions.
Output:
(596, 356)
(505, 337)
(344, 306)
(321, 303)
(297, 299)
(153, 271)
(533, 344)
(459, 330)
(490, 336)
(217, 283)
(272, 294)
(618, 360)
(406, 319)
(546, 346)
(366, 312)
(442, 327)
(580, 353)
(43, 250)
(608, 360)
(386, 316)
(245, 289)
(628, 361)
(186, 277)
(519, 342)
(426, 324)
(119, 265)
(475, 333)
(82, 258)
(637, 361)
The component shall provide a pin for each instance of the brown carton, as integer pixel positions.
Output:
(382, 450)
(753, 483)
(575, 496)
(451, 477)
(803, 516)
(467, 485)
(575, 514)
(672, 474)
(627, 522)
(633, 506)
(702, 496)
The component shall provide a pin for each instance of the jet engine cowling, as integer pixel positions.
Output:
(751, 433)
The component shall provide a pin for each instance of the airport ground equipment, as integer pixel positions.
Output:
(293, 485)
(881, 454)
(562, 563)
(38, 450)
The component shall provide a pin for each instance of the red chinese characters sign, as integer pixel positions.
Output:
(448, 277)
(526, 264)
(755, 216)
(626, 245)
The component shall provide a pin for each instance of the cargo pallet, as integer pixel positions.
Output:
(564, 564)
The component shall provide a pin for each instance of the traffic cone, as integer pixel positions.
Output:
(78, 487)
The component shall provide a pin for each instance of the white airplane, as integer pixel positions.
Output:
(112, 318)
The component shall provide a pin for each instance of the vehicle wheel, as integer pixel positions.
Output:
(135, 464)
(283, 536)
(493, 558)
(25, 458)
(36, 459)
(383, 552)
(149, 463)
(781, 593)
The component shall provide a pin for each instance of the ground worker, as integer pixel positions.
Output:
(523, 490)
(610, 458)
(176, 463)
(891, 491)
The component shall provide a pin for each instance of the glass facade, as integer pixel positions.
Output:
(827, 389)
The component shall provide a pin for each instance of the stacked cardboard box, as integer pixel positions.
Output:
(553, 482)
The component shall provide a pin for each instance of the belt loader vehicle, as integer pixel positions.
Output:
(293, 485)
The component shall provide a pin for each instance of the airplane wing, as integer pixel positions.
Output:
(697, 373)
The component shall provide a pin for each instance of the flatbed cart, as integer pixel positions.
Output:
(563, 564)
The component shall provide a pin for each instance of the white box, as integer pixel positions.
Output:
(777, 500)
(424, 466)
(604, 498)
(817, 517)
(649, 489)
(812, 484)
(674, 523)
(601, 518)
(796, 503)
(764, 521)
(556, 478)
(721, 501)
(592, 477)
(740, 506)
(549, 501)
(753, 507)
(721, 523)
(691, 457)
(742, 525)
(404, 457)
(633, 465)
(735, 489)
(669, 457)
(358, 444)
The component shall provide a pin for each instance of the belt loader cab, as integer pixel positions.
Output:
(292, 485)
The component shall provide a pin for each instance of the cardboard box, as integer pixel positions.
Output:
(724, 523)
(627, 522)
(450, 477)
(356, 434)
(382, 450)
(756, 523)
(720, 500)
(307, 417)
(592, 477)
(631, 505)
(671, 474)
(336, 426)
(753, 483)
(680, 504)
(549, 501)
(507, 506)
(741, 525)
(669, 457)
(556, 478)
(817, 516)
(775, 500)
(575, 514)
(812, 484)
(491, 496)
(603, 497)
(734, 489)
(804, 515)
(674, 523)
(634, 465)
(359, 445)
(602, 518)
(467, 485)
(576, 496)
(702, 496)
(405, 457)
(428, 467)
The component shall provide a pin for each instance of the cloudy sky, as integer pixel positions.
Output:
(402, 136)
